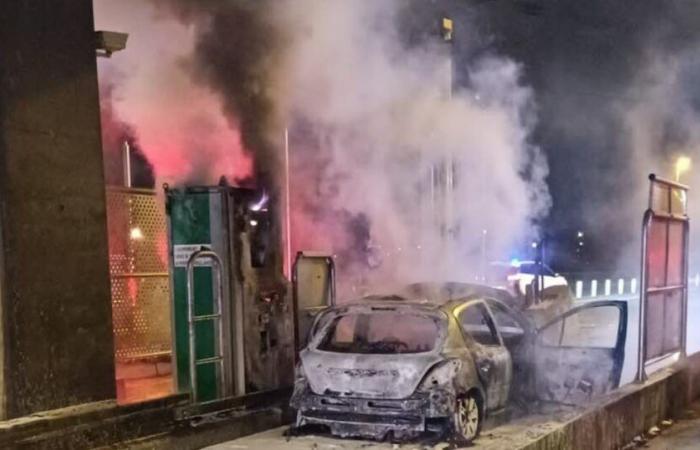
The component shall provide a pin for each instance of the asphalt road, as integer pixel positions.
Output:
(683, 435)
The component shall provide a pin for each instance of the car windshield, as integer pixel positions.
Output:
(384, 332)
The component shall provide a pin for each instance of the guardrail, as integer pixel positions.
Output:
(604, 287)
(585, 287)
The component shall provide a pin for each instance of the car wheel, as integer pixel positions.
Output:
(467, 420)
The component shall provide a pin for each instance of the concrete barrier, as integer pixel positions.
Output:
(150, 425)
(586, 288)
(613, 422)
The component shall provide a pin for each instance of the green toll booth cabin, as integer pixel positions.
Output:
(233, 317)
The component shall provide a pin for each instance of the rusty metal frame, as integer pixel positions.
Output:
(669, 217)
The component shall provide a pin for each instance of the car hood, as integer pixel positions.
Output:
(391, 376)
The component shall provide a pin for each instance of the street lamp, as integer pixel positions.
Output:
(446, 29)
(682, 165)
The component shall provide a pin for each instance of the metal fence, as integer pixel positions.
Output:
(664, 274)
(138, 263)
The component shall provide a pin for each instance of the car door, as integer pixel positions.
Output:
(518, 334)
(313, 292)
(492, 359)
(579, 354)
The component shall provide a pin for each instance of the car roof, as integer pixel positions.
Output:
(442, 292)
(388, 302)
(515, 264)
(383, 303)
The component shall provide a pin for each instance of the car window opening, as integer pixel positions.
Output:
(591, 328)
(383, 332)
(477, 323)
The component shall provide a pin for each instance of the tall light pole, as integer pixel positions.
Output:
(484, 262)
(447, 28)
(287, 209)
(126, 160)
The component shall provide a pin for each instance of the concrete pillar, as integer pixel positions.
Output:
(55, 296)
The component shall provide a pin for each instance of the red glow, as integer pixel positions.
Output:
(197, 147)
(162, 248)
(133, 289)
(200, 153)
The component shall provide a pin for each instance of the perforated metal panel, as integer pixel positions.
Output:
(138, 262)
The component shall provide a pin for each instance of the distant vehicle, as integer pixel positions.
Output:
(385, 365)
(516, 276)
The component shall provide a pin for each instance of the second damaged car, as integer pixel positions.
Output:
(390, 368)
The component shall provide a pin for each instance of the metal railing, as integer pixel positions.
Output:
(667, 209)
(216, 316)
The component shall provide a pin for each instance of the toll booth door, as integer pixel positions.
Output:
(314, 291)
(200, 294)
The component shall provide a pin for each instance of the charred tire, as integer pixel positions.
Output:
(468, 417)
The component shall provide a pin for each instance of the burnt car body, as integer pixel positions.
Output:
(385, 366)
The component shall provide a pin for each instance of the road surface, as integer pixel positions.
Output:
(684, 435)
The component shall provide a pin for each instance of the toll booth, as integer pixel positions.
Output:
(232, 317)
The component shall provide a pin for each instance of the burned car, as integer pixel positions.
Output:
(386, 367)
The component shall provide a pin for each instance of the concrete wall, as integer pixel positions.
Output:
(56, 313)
(626, 413)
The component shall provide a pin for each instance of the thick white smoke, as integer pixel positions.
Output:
(178, 122)
(401, 176)
(662, 123)
(387, 117)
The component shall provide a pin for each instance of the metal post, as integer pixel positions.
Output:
(126, 156)
(295, 306)
(190, 327)
(331, 279)
(539, 277)
(484, 263)
(684, 298)
(215, 316)
(287, 208)
(641, 341)
(432, 192)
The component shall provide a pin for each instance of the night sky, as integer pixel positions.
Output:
(591, 64)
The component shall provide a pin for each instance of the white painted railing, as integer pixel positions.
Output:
(591, 288)
(607, 287)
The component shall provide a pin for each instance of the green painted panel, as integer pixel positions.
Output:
(206, 380)
(190, 224)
